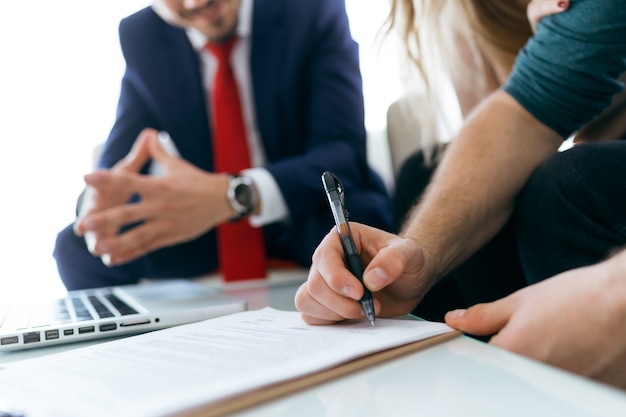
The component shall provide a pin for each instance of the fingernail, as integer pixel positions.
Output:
(106, 259)
(377, 277)
(90, 240)
(456, 314)
(164, 137)
(562, 4)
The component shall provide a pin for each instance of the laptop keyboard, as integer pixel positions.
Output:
(120, 305)
(102, 310)
(82, 314)
(65, 310)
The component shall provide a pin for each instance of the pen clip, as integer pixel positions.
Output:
(332, 183)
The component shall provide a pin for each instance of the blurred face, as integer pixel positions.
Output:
(217, 19)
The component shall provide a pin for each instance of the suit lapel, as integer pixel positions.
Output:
(267, 30)
(183, 93)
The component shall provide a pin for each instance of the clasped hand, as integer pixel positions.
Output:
(182, 204)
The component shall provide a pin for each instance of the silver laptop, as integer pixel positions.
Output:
(109, 312)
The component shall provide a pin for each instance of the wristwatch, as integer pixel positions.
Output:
(242, 196)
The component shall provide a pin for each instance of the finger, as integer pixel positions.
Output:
(484, 319)
(110, 183)
(139, 154)
(327, 303)
(106, 190)
(329, 266)
(154, 233)
(117, 217)
(538, 9)
(94, 230)
(313, 312)
(130, 245)
(94, 239)
(99, 201)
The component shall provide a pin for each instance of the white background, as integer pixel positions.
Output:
(60, 71)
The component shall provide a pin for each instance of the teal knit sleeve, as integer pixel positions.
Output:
(568, 72)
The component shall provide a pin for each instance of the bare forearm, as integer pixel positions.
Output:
(474, 189)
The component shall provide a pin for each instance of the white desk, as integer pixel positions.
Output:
(461, 377)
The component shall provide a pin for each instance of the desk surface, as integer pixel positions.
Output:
(459, 377)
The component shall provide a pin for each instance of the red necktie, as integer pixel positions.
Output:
(241, 251)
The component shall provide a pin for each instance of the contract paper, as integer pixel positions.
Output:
(165, 372)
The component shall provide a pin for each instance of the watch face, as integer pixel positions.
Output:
(242, 196)
(245, 196)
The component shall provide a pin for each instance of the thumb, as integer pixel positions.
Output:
(161, 148)
(483, 319)
(139, 153)
(398, 257)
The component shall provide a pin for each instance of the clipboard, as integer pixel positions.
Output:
(268, 393)
(197, 384)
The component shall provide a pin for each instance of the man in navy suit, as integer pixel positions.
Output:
(300, 87)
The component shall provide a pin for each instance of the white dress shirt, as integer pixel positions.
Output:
(273, 205)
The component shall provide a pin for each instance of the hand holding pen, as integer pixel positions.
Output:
(397, 270)
(335, 194)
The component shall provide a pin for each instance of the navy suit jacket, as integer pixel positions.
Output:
(309, 111)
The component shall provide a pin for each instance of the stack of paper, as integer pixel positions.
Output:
(246, 356)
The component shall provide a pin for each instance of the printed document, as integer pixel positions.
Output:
(167, 371)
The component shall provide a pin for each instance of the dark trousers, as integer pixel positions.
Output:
(79, 269)
(571, 213)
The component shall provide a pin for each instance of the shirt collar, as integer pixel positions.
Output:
(244, 27)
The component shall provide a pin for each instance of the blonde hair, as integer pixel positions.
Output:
(430, 31)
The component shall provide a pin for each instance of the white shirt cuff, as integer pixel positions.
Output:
(273, 206)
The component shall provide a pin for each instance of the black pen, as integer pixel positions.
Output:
(334, 191)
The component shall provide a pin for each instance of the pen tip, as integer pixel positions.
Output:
(372, 323)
